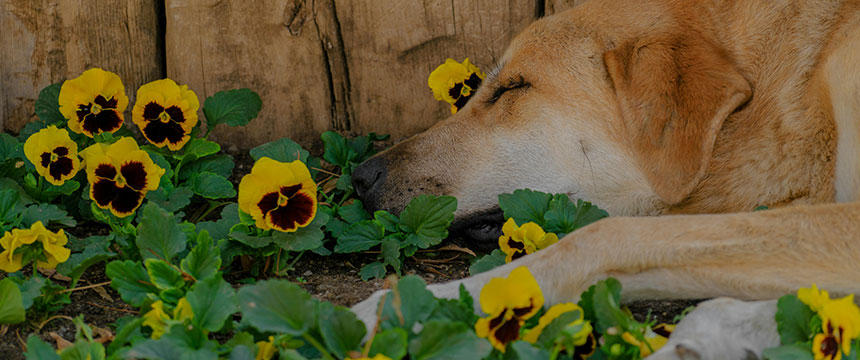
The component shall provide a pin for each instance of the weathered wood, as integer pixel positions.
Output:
(557, 6)
(46, 41)
(353, 66)
(392, 49)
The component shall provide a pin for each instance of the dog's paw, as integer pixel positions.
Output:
(723, 329)
(368, 308)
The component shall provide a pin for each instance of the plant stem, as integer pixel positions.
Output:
(320, 347)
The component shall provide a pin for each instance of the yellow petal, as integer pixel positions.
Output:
(183, 310)
(519, 290)
(268, 176)
(812, 297)
(156, 319)
(46, 141)
(266, 349)
(553, 313)
(84, 89)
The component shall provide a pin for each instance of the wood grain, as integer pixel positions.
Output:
(47, 41)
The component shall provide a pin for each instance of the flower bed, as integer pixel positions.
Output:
(172, 229)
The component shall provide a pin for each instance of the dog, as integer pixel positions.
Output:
(677, 117)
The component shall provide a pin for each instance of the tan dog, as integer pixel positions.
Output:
(664, 107)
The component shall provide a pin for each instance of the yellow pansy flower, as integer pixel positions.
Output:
(654, 339)
(165, 113)
(813, 297)
(518, 241)
(455, 83)
(53, 247)
(54, 154)
(157, 318)
(840, 320)
(266, 349)
(509, 302)
(280, 196)
(120, 175)
(93, 102)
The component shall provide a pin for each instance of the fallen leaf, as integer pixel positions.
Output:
(61, 342)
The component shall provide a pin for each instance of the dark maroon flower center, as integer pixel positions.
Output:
(830, 346)
(473, 82)
(506, 331)
(57, 162)
(287, 208)
(123, 193)
(99, 116)
(163, 124)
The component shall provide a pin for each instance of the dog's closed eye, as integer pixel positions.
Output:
(505, 86)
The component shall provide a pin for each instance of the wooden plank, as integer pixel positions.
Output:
(46, 41)
(391, 50)
(269, 46)
(557, 6)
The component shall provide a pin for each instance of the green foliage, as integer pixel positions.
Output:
(232, 107)
(158, 234)
(793, 320)
(277, 306)
(422, 224)
(554, 213)
(11, 303)
(487, 262)
(448, 340)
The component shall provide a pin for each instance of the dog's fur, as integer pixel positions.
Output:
(692, 110)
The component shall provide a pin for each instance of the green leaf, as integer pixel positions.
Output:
(171, 198)
(84, 350)
(337, 151)
(416, 303)
(555, 328)
(391, 343)
(600, 303)
(360, 237)
(232, 107)
(341, 330)
(10, 147)
(95, 252)
(525, 205)
(307, 238)
(158, 234)
(277, 306)
(132, 282)
(488, 262)
(788, 352)
(212, 301)
(163, 275)
(521, 350)
(563, 217)
(161, 349)
(38, 349)
(427, 218)
(374, 270)
(11, 303)
(391, 251)
(221, 229)
(353, 212)
(212, 186)
(460, 310)
(253, 241)
(283, 150)
(198, 148)
(127, 328)
(48, 214)
(389, 222)
(48, 104)
(448, 340)
(204, 260)
(792, 320)
(217, 164)
(68, 187)
(30, 289)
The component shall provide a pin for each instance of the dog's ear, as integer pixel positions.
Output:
(674, 93)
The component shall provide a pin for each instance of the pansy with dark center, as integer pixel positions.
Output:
(280, 196)
(509, 302)
(120, 175)
(93, 102)
(840, 322)
(166, 113)
(455, 83)
(54, 154)
(518, 241)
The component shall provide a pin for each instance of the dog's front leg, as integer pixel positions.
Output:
(760, 255)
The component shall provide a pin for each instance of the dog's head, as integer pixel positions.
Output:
(616, 105)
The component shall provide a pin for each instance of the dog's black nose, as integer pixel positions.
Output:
(367, 179)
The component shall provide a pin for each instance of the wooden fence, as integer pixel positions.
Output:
(353, 66)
